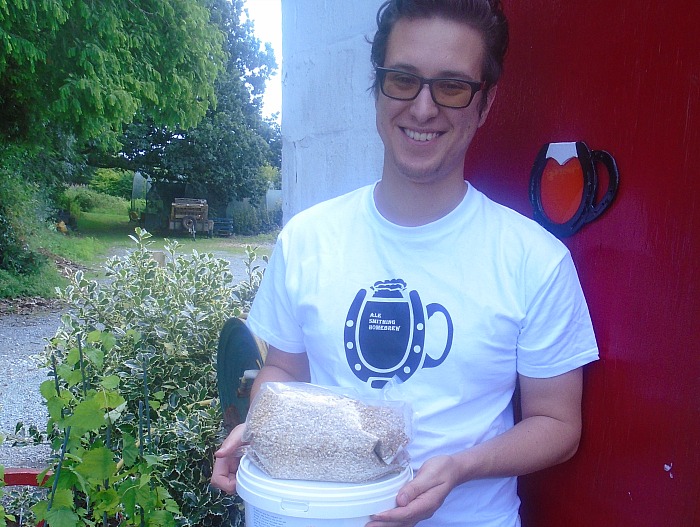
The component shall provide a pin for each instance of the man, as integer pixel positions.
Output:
(422, 278)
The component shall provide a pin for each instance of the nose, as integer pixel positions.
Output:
(423, 107)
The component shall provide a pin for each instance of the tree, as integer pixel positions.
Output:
(73, 73)
(224, 153)
(88, 68)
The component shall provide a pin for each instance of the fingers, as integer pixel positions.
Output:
(226, 461)
(420, 498)
(224, 474)
(421, 507)
(232, 442)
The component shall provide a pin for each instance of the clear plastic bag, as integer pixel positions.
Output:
(310, 432)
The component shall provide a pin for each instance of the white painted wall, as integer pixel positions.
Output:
(330, 143)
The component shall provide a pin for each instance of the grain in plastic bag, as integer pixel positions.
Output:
(304, 431)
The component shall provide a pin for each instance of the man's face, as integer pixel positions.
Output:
(424, 142)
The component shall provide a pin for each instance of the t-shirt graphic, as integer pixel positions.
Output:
(385, 333)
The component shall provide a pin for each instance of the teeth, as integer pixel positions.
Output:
(420, 136)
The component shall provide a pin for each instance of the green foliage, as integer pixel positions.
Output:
(4, 513)
(225, 151)
(272, 175)
(118, 183)
(17, 503)
(15, 256)
(249, 220)
(74, 74)
(86, 199)
(29, 178)
(247, 289)
(41, 283)
(133, 406)
(89, 67)
(17, 197)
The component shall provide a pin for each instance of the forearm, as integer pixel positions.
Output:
(548, 434)
(281, 367)
(537, 442)
(533, 444)
(270, 374)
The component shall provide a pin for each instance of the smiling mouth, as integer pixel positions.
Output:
(421, 136)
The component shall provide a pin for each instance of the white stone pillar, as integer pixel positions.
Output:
(330, 142)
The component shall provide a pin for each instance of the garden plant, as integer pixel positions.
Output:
(132, 399)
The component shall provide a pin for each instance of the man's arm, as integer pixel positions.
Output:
(282, 366)
(548, 434)
(279, 366)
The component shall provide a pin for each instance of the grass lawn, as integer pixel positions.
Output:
(113, 231)
(102, 234)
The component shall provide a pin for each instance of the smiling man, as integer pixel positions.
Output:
(421, 280)
(429, 63)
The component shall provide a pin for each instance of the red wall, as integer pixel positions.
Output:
(624, 77)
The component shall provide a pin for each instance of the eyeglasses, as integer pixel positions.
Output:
(404, 86)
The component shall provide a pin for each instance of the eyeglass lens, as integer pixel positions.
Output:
(445, 92)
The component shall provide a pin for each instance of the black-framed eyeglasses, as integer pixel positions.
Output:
(404, 86)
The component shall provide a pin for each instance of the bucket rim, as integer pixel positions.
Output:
(320, 499)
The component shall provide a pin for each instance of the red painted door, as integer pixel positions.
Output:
(623, 77)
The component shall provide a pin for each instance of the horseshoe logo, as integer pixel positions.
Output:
(385, 333)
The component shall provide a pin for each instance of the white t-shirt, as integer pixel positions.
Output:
(454, 310)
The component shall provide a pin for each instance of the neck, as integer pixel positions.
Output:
(416, 204)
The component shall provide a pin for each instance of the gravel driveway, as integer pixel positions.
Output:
(22, 337)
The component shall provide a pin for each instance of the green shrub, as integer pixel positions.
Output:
(249, 220)
(113, 182)
(15, 255)
(86, 199)
(133, 409)
(19, 217)
(272, 219)
(41, 284)
(17, 502)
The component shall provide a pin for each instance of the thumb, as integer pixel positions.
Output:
(407, 494)
(231, 444)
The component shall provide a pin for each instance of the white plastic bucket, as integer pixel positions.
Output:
(296, 503)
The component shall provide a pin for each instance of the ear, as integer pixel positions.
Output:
(486, 105)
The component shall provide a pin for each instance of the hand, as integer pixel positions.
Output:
(420, 498)
(226, 461)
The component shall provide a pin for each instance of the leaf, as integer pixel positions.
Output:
(68, 374)
(109, 399)
(39, 509)
(55, 408)
(106, 500)
(47, 389)
(73, 357)
(110, 382)
(108, 341)
(97, 464)
(88, 415)
(63, 499)
(61, 518)
(127, 490)
(152, 460)
(95, 356)
(160, 518)
(135, 335)
(94, 336)
(146, 497)
(130, 452)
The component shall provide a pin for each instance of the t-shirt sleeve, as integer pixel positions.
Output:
(271, 317)
(557, 334)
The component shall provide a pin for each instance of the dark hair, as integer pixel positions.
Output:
(485, 16)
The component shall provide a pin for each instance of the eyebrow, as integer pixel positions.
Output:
(445, 74)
